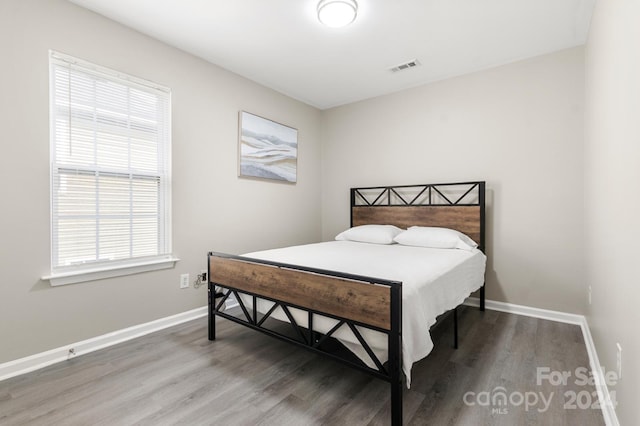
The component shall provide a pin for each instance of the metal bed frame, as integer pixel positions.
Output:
(352, 300)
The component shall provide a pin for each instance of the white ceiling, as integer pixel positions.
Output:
(281, 44)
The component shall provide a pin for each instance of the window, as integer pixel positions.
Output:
(110, 172)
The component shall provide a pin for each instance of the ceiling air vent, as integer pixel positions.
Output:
(405, 66)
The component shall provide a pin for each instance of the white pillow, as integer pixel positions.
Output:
(424, 236)
(375, 234)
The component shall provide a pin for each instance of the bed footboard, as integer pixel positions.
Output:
(351, 300)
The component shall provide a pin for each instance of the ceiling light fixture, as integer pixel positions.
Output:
(337, 13)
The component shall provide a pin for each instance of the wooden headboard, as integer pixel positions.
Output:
(459, 206)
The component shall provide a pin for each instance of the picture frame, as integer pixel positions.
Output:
(266, 149)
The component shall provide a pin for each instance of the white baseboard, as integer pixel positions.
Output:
(604, 397)
(44, 359)
(608, 408)
(528, 311)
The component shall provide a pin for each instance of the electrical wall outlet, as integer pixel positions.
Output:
(619, 361)
(203, 275)
(184, 281)
(589, 293)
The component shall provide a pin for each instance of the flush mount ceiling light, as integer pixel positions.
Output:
(337, 13)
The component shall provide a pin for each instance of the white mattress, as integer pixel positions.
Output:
(433, 282)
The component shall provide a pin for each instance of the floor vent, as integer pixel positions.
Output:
(405, 66)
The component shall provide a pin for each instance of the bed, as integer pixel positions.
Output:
(369, 297)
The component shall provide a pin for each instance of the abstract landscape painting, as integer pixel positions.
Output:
(268, 150)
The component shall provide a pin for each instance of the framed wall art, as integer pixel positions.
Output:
(267, 150)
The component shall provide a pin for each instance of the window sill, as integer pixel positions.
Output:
(109, 272)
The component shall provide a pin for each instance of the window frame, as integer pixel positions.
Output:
(99, 269)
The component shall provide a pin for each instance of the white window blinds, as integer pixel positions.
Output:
(110, 167)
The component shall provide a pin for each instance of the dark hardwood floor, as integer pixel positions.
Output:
(176, 376)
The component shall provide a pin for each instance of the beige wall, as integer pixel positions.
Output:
(212, 208)
(612, 183)
(519, 127)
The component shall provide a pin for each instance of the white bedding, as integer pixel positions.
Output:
(433, 282)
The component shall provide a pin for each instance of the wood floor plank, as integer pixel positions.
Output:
(176, 376)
